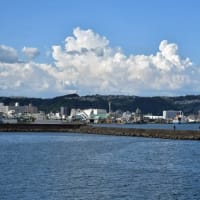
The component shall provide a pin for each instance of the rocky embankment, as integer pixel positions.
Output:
(152, 133)
(80, 128)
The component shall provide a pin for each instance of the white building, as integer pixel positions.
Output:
(95, 111)
(172, 114)
(39, 116)
(153, 117)
(91, 114)
(4, 109)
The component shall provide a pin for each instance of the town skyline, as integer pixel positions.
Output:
(140, 48)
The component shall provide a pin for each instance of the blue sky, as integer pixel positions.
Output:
(132, 27)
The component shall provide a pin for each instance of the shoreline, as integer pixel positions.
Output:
(88, 129)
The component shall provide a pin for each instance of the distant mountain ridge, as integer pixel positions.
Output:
(189, 104)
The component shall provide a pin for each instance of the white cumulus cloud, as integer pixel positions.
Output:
(30, 52)
(8, 54)
(26, 79)
(85, 40)
(86, 63)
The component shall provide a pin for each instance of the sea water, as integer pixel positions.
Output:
(58, 166)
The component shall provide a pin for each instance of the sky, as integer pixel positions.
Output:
(128, 47)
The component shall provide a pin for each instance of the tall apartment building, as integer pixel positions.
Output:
(3, 109)
(18, 109)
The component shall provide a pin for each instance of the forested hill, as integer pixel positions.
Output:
(155, 105)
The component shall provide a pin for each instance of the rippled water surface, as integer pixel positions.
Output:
(79, 166)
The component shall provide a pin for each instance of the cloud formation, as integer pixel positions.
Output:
(88, 65)
(8, 54)
(30, 52)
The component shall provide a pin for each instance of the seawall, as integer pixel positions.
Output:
(81, 128)
(39, 127)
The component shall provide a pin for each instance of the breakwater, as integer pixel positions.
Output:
(39, 127)
(82, 128)
(134, 132)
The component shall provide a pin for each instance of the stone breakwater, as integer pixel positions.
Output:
(152, 133)
(81, 128)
